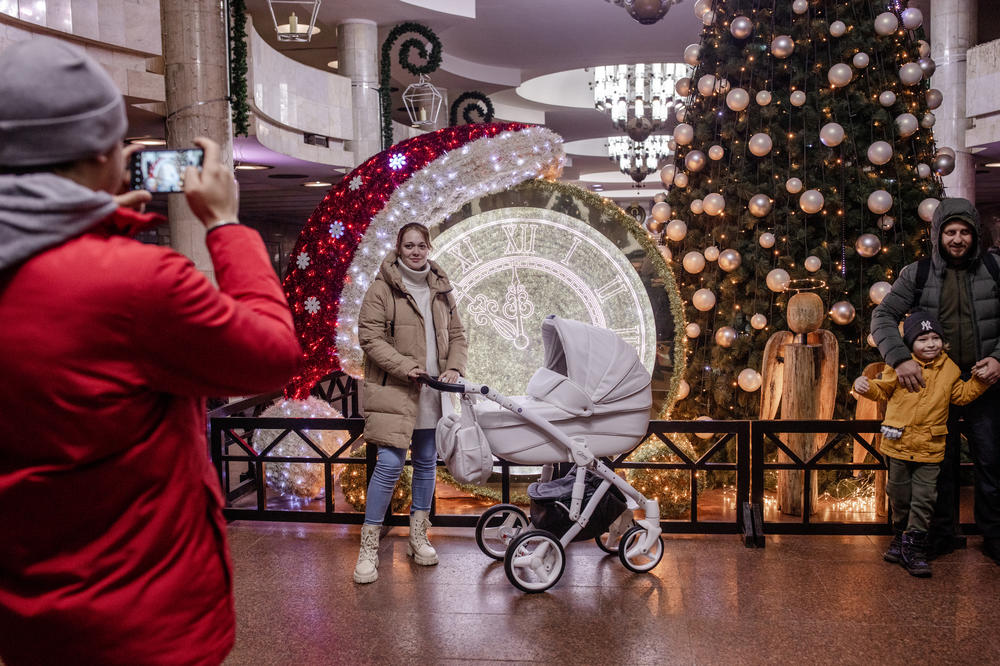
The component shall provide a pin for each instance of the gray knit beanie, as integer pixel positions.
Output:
(56, 105)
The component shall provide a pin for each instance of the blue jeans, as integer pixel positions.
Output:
(423, 455)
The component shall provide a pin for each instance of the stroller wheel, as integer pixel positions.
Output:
(535, 561)
(497, 527)
(631, 555)
(610, 540)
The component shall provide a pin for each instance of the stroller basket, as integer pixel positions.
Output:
(550, 503)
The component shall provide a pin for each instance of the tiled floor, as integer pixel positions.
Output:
(810, 600)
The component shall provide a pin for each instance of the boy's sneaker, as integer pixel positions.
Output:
(895, 551)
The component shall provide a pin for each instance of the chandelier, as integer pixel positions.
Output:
(640, 98)
(646, 12)
(638, 159)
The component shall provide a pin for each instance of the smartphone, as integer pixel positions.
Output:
(163, 170)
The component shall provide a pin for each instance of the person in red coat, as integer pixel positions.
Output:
(113, 546)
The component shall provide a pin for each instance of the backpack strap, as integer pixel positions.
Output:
(923, 271)
(990, 261)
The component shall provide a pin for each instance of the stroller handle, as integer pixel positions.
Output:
(439, 385)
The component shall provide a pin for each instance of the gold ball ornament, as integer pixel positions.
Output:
(886, 24)
(812, 263)
(760, 144)
(839, 75)
(695, 161)
(683, 389)
(811, 201)
(867, 245)
(738, 99)
(878, 291)
(697, 206)
(676, 230)
(797, 98)
(692, 330)
(842, 313)
(831, 134)
(777, 280)
(766, 240)
(782, 46)
(741, 27)
(694, 262)
(725, 336)
(838, 28)
(716, 152)
(749, 380)
(793, 185)
(730, 260)
(879, 202)
(681, 179)
(860, 60)
(661, 211)
(805, 312)
(758, 321)
(926, 208)
(763, 98)
(703, 300)
(683, 134)
(887, 98)
(714, 204)
(692, 55)
(879, 152)
(712, 253)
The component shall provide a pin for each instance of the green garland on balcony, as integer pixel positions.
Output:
(433, 61)
(482, 105)
(238, 68)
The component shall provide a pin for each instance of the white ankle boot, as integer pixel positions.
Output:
(366, 570)
(419, 547)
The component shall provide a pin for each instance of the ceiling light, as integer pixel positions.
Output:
(295, 30)
(247, 166)
(148, 141)
(333, 64)
(640, 98)
(646, 12)
(317, 183)
(638, 159)
(992, 165)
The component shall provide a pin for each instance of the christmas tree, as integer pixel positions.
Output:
(805, 161)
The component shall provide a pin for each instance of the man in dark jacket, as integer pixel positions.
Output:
(113, 541)
(959, 290)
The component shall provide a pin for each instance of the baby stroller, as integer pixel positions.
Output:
(590, 400)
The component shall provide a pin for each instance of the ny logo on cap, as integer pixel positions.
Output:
(925, 325)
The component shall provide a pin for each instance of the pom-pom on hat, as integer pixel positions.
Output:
(917, 324)
(57, 105)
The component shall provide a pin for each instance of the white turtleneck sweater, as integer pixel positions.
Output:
(429, 403)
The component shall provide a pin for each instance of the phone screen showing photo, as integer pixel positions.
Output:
(163, 170)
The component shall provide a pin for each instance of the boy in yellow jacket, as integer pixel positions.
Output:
(913, 436)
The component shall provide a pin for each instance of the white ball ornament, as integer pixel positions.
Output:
(680, 114)
(923, 170)
(927, 67)
(793, 185)
(860, 60)
(683, 86)
(886, 222)
(704, 435)
(840, 75)
(923, 48)
(777, 280)
(701, 6)
(906, 124)
(714, 204)
(800, 6)
(831, 134)
(879, 202)
(749, 380)
(946, 150)
(706, 86)
(725, 336)
(708, 18)
(659, 196)
(910, 74)
(760, 144)
(692, 330)
(683, 389)
(887, 98)
(722, 86)
(661, 211)
(665, 252)
(741, 27)
(729, 260)
(797, 98)
(716, 152)
(763, 98)
(912, 17)
(695, 161)
(692, 55)
(842, 313)
(683, 134)
(878, 291)
(886, 23)
(926, 208)
(766, 240)
(693, 262)
(712, 253)
(677, 230)
(933, 98)
(812, 263)
(867, 245)
(759, 205)
(703, 300)
(782, 46)
(871, 340)
(811, 201)
(697, 206)
(681, 179)
(667, 174)
(738, 99)
(927, 120)
(879, 152)
(838, 28)
(758, 321)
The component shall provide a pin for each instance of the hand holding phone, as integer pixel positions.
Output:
(162, 170)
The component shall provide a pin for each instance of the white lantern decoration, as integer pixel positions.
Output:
(840, 75)
(886, 24)
(766, 240)
(692, 330)
(693, 262)
(797, 98)
(758, 321)
(760, 144)
(763, 98)
(712, 253)
(715, 204)
(725, 336)
(749, 380)
(812, 263)
(831, 134)
(879, 202)
(860, 60)
(703, 300)
(878, 291)
(729, 260)
(777, 280)
(926, 208)
(811, 201)
(793, 185)
(879, 152)
(676, 230)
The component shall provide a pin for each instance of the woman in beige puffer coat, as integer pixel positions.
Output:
(408, 325)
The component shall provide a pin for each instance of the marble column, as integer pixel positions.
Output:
(196, 73)
(357, 50)
(953, 32)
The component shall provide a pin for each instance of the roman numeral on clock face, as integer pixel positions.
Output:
(569, 253)
(629, 335)
(616, 286)
(466, 255)
(520, 238)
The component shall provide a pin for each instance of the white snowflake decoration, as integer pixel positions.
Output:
(303, 260)
(354, 184)
(397, 161)
(337, 229)
(312, 305)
